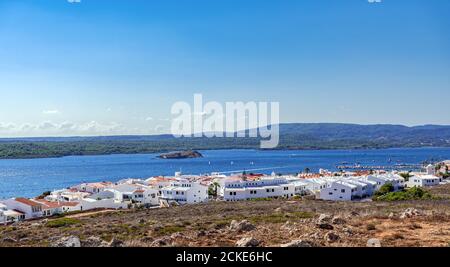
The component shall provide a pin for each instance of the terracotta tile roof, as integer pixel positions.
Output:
(27, 202)
(70, 204)
(49, 204)
(53, 205)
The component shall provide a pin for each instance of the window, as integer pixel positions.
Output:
(342, 190)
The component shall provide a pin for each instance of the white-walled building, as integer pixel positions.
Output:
(315, 185)
(397, 181)
(90, 204)
(92, 188)
(183, 191)
(133, 193)
(423, 181)
(159, 182)
(29, 208)
(37, 208)
(9, 216)
(430, 170)
(235, 189)
(300, 187)
(339, 191)
(66, 195)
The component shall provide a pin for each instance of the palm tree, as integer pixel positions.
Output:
(307, 170)
(213, 189)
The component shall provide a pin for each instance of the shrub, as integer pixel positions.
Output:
(170, 229)
(385, 189)
(62, 222)
(415, 193)
(371, 227)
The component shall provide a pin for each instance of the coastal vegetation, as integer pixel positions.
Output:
(62, 222)
(415, 193)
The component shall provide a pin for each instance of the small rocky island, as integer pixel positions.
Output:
(181, 155)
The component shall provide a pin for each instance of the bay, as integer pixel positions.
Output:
(31, 177)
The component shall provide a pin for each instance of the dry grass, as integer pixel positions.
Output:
(276, 221)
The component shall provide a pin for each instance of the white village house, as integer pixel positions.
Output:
(235, 189)
(9, 216)
(423, 181)
(339, 191)
(183, 191)
(134, 193)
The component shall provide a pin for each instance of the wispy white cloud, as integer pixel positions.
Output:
(374, 1)
(50, 112)
(48, 128)
(149, 119)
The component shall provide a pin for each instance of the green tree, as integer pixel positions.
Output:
(213, 189)
(405, 175)
(384, 189)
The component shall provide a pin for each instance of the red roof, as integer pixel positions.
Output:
(27, 202)
(70, 204)
(47, 204)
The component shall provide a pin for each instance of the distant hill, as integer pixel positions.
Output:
(428, 134)
(292, 136)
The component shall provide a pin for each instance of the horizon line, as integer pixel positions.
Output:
(169, 134)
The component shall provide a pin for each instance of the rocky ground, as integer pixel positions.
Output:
(252, 223)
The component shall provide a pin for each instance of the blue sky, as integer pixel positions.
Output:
(115, 67)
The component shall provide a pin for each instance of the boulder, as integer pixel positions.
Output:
(242, 226)
(162, 242)
(177, 235)
(338, 220)
(247, 242)
(298, 244)
(325, 226)
(94, 242)
(324, 218)
(373, 243)
(201, 233)
(115, 243)
(409, 213)
(67, 242)
(354, 214)
(331, 237)
(347, 231)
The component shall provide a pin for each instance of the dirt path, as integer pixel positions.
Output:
(87, 214)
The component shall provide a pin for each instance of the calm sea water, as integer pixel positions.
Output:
(31, 177)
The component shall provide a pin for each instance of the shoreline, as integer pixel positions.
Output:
(221, 149)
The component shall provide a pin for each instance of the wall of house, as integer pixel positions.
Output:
(335, 193)
(27, 210)
(197, 194)
(102, 204)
